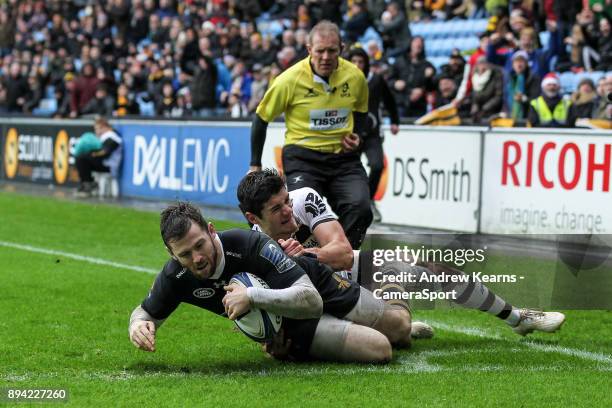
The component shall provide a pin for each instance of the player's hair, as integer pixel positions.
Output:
(324, 27)
(176, 220)
(101, 121)
(256, 188)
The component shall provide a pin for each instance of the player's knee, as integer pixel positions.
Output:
(383, 351)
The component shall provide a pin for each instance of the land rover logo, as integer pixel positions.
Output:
(203, 293)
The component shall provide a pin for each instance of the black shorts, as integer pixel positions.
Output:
(300, 332)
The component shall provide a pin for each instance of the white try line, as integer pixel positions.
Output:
(97, 261)
(547, 348)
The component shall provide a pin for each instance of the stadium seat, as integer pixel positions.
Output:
(46, 107)
(108, 186)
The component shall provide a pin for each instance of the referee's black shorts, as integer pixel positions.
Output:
(340, 178)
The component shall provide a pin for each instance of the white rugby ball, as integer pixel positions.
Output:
(257, 324)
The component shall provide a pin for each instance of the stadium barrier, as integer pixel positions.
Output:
(461, 179)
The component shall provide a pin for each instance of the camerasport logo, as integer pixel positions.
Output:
(11, 153)
(61, 155)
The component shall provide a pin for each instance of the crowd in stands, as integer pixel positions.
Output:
(211, 58)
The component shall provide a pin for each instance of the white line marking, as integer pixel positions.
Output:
(76, 257)
(548, 348)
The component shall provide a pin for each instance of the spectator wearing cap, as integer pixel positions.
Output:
(584, 102)
(521, 86)
(549, 109)
(487, 91)
(454, 69)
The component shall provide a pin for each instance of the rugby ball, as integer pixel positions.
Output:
(257, 324)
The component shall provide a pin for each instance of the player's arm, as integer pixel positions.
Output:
(259, 127)
(335, 249)
(291, 292)
(147, 317)
(301, 300)
(142, 329)
(274, 102)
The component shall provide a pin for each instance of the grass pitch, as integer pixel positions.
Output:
(64, 325)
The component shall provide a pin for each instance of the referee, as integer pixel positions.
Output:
(325, 101)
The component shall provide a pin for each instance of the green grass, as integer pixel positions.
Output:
(64, 324)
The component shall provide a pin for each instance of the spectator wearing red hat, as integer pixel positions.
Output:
(549, 109)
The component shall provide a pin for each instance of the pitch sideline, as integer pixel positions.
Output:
(97, 261)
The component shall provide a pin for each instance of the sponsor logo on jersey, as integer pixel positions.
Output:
(181, 273)
(342, 283)
(236, 254)
(277, 257)
(328, 119)
(204, 293)
(314, 205)
(311, 93)
(346, 92)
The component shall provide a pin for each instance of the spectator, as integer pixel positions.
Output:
(258, 86)
(35, 93)
(101, 104)
(411, 78)
(125, 103)
(105, 160)
(167, 102)
(16, 88)
(203, 87)
(551, 108)
(454, 69)
(84, 89)
(357, 22)
(584, 102)
(521, 86)
(604, 106)
(604, 47)
(487, 91)
(539, 60)
(393, 28)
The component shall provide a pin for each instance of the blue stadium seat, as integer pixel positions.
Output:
(544, 38)
(567, 82)
(46, 107)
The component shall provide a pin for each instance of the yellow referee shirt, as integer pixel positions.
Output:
(317, 114)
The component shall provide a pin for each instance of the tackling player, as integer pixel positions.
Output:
(325, 101)
(302, 223)
(325, 316)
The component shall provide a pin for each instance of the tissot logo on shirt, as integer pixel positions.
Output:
(328, 119)
(204, 293)
(277, 257)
